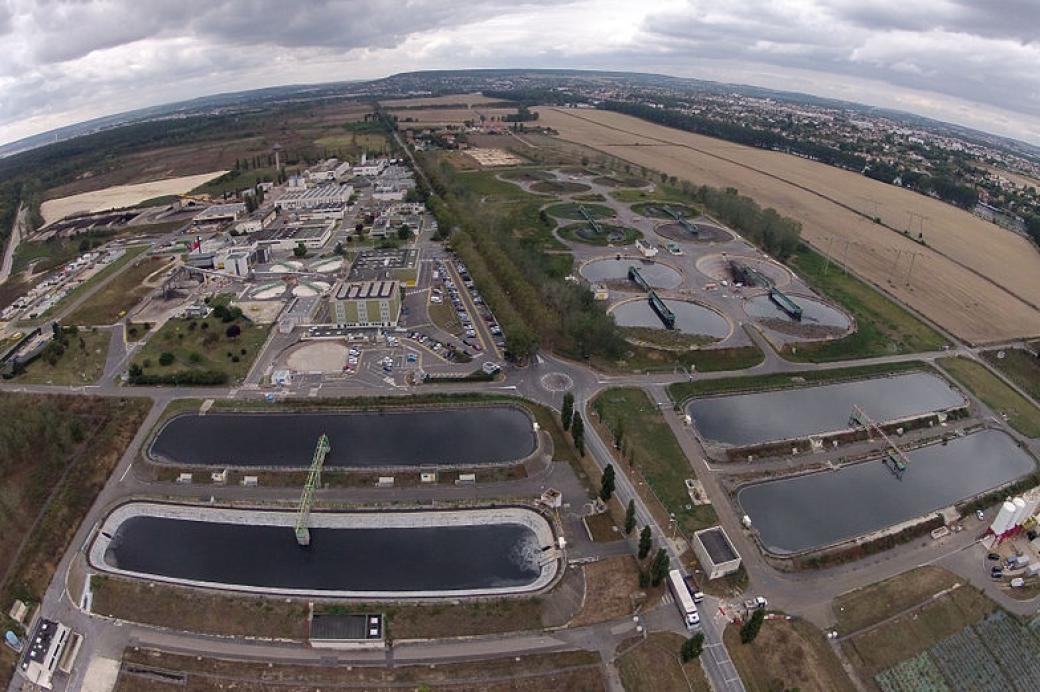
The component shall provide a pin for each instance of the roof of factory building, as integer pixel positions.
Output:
(362, 290)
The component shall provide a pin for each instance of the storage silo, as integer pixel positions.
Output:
(1004, 518)
(1032, 498)
(1020, 512)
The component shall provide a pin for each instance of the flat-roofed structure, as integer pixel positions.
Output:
(352, 631)
(312, 235)
(43, 652)
(219, 214)
(716, 553)
(308, 198)
(366, 304)
(399, 265)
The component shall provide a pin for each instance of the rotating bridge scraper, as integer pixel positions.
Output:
(303, 533)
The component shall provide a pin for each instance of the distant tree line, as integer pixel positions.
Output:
(741, 134)
(943, 187)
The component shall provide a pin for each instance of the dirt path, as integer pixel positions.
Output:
(17, 231)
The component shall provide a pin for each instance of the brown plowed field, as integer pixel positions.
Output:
(465, 100)
(976, 280)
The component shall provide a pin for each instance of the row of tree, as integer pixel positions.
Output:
(502, 242)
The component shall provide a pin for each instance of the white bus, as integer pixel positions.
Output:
(683, 599)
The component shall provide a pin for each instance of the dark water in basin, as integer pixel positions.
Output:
(819, 509)
(369, 559)
(814, 312)
(656, 274)
(690, 318)
(745, 419)
(469, 436)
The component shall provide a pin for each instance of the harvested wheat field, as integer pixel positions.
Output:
(462, 100)
(121, 196)
(976, 280)
(427, 117)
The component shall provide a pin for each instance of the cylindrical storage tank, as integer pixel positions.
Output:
(1020, 512)
(1032, 499)
(1003, 521)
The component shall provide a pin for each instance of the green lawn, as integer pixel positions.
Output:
(662, 193)
(681, 391)
(1019, 366)
(443, 315)
(83, 361)
(654, 211)
(201, 348)
(1021, 414)
(882, 326)
(120, 295)
(233, 181)
(569, 210)
(485, 183)
(644, 359)
(648, 442)
(131, 254)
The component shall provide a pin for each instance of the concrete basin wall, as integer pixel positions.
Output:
(531, 535)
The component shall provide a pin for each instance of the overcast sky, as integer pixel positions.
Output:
(974, 62)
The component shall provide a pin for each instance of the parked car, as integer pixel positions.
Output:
(979, 515)
(993, 556)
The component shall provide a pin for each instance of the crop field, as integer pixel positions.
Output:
(295, 130)
(976, 280)
(424, 117)
(120, 196)
(463, 100)
(994, 655)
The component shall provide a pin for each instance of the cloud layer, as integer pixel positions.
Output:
(959, 60)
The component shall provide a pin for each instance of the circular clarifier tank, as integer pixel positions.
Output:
(814, 312)
(690, 318)
(657, 274)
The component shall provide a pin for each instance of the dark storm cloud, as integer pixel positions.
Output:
(68, 60)
(960, 50)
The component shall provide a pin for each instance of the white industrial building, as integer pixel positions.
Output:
(716, 553)
(46, 652)
(259, 220)
(370, 168)
(219, 214)
(308, 198)
(328, 171)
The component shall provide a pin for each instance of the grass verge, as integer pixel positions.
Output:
(575, 671)
(120, 295)
(646, 359)
(787, 655)
(650, 449)
(912, 633)
(1021, 415)
(131, 254)
(1019, 366)
(654, 665)
(82, 362)
(201, 351)
(681, 391)
(882, 326)
(872, 604)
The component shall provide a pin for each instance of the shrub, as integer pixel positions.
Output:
(166, 358)
(749, 630)
(233, 331)
(692, 647)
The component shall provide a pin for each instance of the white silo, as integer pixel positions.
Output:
(1032, 498)
(1004, 518)
(1020, 512)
